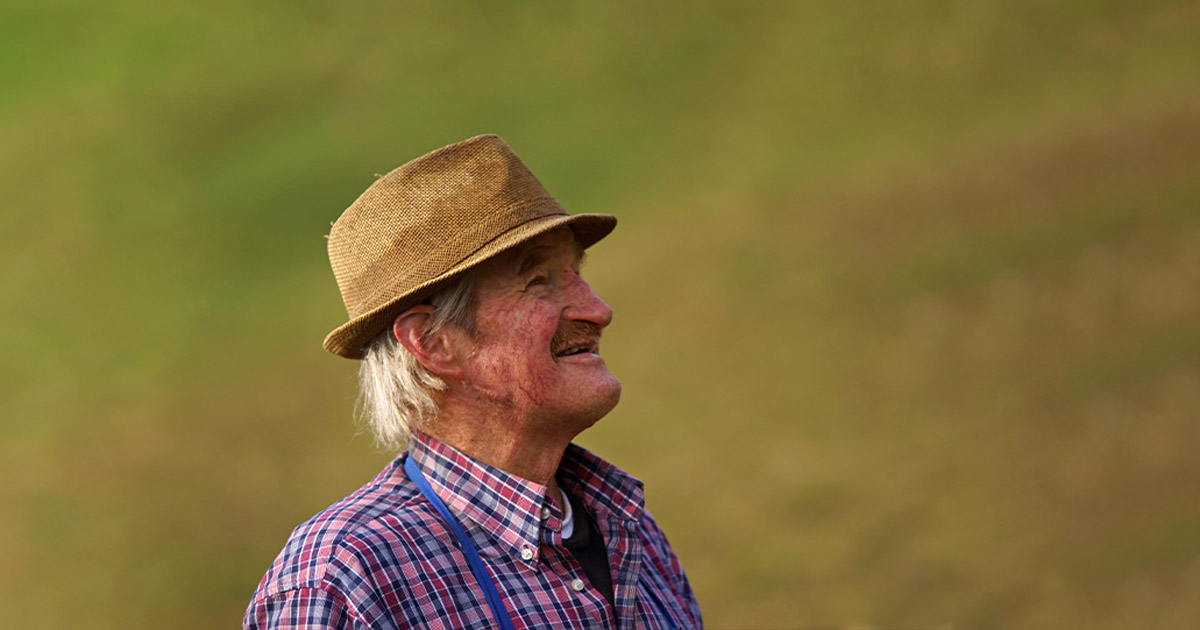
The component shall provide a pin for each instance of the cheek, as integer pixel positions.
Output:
(528, 331)
(512, 361)
(515, 382)
(516, 357)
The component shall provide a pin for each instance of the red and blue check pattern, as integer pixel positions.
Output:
(382, 558)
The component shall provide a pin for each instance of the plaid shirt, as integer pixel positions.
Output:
(383, 558)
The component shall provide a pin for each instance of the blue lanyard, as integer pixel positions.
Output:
(481, 575)
(468, 548)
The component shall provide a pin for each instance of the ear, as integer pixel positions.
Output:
(436, 352)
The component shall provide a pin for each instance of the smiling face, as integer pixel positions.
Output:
(535, 354)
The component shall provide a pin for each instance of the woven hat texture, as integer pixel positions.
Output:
(431, 219)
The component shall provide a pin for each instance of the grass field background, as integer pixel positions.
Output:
(907, 294)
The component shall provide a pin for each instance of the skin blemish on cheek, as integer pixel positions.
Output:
(531, 396)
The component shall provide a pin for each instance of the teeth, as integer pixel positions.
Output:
(572, 350)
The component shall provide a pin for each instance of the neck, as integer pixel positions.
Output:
(526, 454)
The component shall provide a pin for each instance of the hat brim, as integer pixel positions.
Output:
(350, 339)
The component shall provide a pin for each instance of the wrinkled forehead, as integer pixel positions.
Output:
(556, 243)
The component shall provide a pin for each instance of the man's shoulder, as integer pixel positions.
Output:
(352, 538)
(653, 535)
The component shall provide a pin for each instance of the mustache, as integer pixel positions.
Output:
(575, 334)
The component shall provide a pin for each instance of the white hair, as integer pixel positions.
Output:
(395, 390)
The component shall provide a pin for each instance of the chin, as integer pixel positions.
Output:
(602, 399)
(607, 397)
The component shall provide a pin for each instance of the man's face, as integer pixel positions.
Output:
(536, 349)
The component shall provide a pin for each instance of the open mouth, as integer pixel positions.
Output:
(576, 339)
(576, 349)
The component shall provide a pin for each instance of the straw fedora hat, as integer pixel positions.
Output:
(432, 219)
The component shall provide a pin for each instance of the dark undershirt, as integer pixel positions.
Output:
(586, 544)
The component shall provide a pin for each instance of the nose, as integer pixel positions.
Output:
(584, 305)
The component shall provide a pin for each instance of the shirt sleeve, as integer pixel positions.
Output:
(303, 608)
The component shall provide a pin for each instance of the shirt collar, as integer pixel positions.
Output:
(603, 488)
(508, 507)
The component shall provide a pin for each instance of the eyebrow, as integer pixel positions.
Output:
(538, 255)
(532, 258)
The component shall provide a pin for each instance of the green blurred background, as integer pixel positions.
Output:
(907, 293)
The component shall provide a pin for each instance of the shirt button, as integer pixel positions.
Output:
(545, 513)
(577, 585)
(527, 554)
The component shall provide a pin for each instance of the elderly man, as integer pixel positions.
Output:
(480, 348)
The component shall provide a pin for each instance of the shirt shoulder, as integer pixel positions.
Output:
(662, 567)
(657, 549)
(360, 537)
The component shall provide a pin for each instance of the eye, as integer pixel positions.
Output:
(537, 280)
